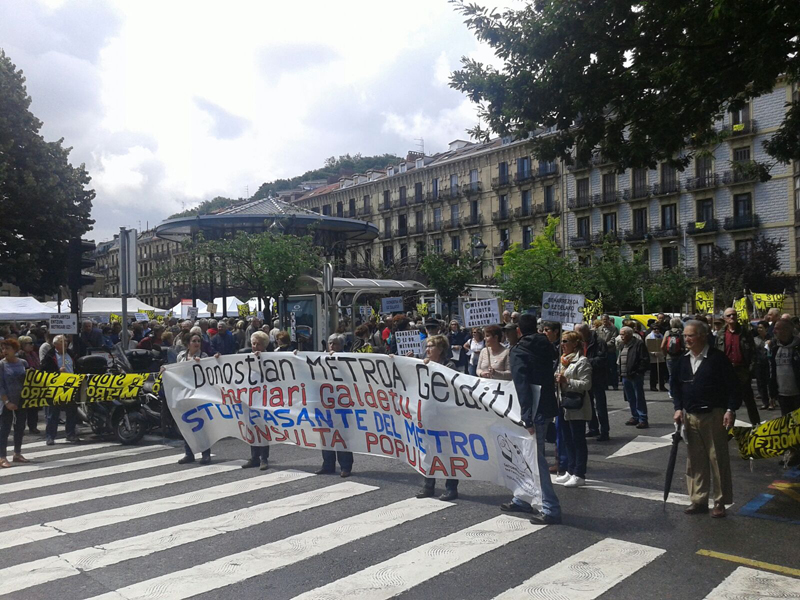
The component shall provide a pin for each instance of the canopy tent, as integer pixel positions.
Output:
(102, 308)
(233, 306)
(65, 305)
(253, 304)
(202, 310)
(23, 309)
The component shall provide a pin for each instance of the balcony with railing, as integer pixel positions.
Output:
(472, 220)
(702, 182)
(402, 231)
(522, 212)
(418, 198)
(546, 170)
(741, 222)
(600, 237)
(523, 176)
(747, 127)
(579, 202)
(434, 196)
(386, 234)
(667, 188)
(636, 235)
(472, 188)
(501, 248)
(544, 209)
(666, 232)
(401, 202)
(453, 192)
(579, 166)
(580, 241)
(434, 227)
(606, 198)
(365, 211)
(742, 172)
(385, 205)
(702, 227)
(637, 192)
(417, 229)
(451, 223)
(503, 180)
(499, 216)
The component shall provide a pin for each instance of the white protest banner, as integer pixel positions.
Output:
(63, 323)
(481, 312)
(407, 341)
(365, 312)
(186, 304)
(443, 423)
(392, 305)
(562, 308)
(141, 316)
(191, 312)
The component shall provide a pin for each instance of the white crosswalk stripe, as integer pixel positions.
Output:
(68, 449)
(587, 574)
(238, 567)
(751, 584)
(122, 514)
(79, 460)
(401, 573)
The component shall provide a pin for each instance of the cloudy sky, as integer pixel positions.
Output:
(173, 102)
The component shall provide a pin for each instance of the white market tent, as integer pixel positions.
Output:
(103, 307)
(233, 306)
(65, 305)
(25, 308)
(202, 310)
(253, 304)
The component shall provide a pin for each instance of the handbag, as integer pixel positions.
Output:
(571, 400)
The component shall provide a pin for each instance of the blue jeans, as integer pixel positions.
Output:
(53, 416)
(561, 445)
(599, 420)
(575, 445)
(188, 451)
(550, 504)
(329, 458)
(634, 394)
(613, 376)
(259, 453)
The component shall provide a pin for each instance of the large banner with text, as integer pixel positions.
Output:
(440, 422)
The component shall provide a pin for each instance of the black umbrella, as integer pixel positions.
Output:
(673, 456)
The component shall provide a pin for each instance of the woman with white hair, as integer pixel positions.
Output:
(259, 455)
(329, 457)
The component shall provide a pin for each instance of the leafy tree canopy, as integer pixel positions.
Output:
(449, 273)
(334, 167)
(633, 80)
(43, 198)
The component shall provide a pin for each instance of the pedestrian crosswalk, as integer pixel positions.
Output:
(164, 531)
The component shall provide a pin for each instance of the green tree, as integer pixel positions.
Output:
(632, 80)
(449, 273)
(208, 207)
(668, 290)
(43, 198)
(526, 274)
(617, 277)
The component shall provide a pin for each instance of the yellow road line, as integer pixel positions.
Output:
(786, 488)
(751, 563)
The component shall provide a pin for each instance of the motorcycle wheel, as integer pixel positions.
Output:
(135, 433)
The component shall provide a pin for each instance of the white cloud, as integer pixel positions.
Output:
(170, 103)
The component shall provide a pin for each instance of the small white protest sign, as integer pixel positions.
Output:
(480, 313)
(562, 308)
(63, 323)
(392, 305)
(407, 341)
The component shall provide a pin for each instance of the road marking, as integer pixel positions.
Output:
(257, 561)
(401, 573)
(113, 489)
(78, 460)
(787, 488)
(747, 584)
(633, 492)
(122, 514)
(53, 568)
(587, 574)
(52, 480)
(642, 443)
(68, 449)
(750, 562)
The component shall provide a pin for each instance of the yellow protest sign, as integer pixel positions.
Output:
(769, 439)
(49, 389)
(106, 388)
(422, 309)
(741, 310)
(763, 302)
(151, 314)
(704, 301)
(244, 311)
(592, 309)
(114, 318)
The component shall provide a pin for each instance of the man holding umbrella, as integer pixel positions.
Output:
(705, 394)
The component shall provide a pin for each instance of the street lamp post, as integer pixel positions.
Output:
(481, 248)
(641, 293)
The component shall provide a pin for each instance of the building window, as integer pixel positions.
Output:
(705, 210)
(403, 198)
(609, 223)
(368, 257)
(418, 192)
(326, 210)
(352, 207)
(419, 218)
(455, 243)
(420, 249)
(704, 167)
(526, 202)
(387, 226)
(744, 248)
(339, 209)
(742, 205)
(435, 187)
(437, 217)
(609, 186)
(437, 245)
(527, 237)
(453, 185)
(550, 198)
(639, 183)
(669, 177)
(503, 173)
(583, 188)
(366, 204)
(669, 257)
(669, 216)
(640, 220)
(644, 255)
(404, 252)
(503, 206)
(388, 255)
(386, 200)
(454, 215)
(741, 115)
(524, 167)
(584, 230)
(704, 254)
(473, 211)
(741, 155)
(402, 224)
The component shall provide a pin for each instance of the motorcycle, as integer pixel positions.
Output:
(128, 419)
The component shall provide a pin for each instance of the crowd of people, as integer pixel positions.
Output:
(707, 367)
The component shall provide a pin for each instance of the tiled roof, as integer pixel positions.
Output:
(267, 207)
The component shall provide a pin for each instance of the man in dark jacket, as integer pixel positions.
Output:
(784, 374)
(705, 394)
(595, 350)
(224, 342)
(736, 342)
(634, 362)
(60, 359)
(532, 364)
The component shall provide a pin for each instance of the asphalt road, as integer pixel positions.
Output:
(102, 521)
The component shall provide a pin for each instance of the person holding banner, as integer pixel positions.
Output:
(259, 455)
(59, 359)
(436, 349)
(784, 381)
(493, 362)
(329, 457)
(194, 351)
(12, 377)
(29, 354)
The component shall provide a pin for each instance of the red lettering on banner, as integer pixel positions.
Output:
(239, 393)
(263, 434)
(246, 434)
(284, 434)
(383, 400)
(321, 431)
(345, 400)
(292, 391)
(372, 440)
(306, 443)
(253, 391)
(276, 398)
(338, 439)
(438, 467)
(326, 395)
(228, 396)
(459, 464)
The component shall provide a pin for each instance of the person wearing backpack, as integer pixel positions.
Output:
(673, 345)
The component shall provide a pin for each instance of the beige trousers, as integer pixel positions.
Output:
(708, 460)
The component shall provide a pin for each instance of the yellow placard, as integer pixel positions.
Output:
(106, 388)
(769, 439)
(741, 310)
(49, 389)
(151, 314)
(592, 309)
(244, 311)
(114, 318)
(763, 302)
(704, 301)
(422, 309)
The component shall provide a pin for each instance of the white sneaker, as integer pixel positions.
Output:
(575, 481)
(563, 478)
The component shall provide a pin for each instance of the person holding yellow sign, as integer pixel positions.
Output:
(12, 376)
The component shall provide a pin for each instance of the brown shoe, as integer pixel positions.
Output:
(18, 458)
(553, 469)
(718, 512)
(696, 509)
(632, 421)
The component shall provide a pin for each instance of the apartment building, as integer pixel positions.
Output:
(474, 197)
(670, 216)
